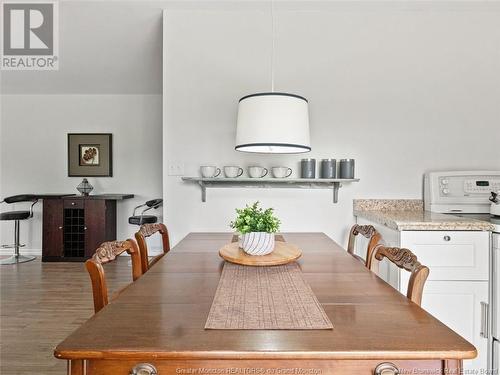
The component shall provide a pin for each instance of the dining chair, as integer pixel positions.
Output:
(147, 230)
(404, 259)
(108, 252)
(367, 231)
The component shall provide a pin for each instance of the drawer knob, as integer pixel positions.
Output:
(144, 369)
(60, 228)
(386, 368)
(73, 203)
(446, 238)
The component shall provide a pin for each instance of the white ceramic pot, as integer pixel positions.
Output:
(257, 243)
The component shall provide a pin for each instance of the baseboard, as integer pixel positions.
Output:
(22, 250)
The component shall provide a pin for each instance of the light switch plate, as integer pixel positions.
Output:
(176, 169)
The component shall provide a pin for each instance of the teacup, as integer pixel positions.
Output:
(257, 172)
(232, 171)
(209, 171)
(281, 172)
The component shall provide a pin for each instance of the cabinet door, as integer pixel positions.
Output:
(52, 233)
(451, 255)
(95, 225)
(458, 305)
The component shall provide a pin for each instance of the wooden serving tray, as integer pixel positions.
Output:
(283, 253)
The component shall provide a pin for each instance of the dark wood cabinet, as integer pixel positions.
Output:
(73, 227)
(52, 234)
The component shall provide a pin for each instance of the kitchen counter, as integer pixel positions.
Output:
(408, 214)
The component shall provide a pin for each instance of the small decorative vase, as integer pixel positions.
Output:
(257, 243)
(84, 187)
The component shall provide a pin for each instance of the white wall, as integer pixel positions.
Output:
(33, 147)
(401, 87)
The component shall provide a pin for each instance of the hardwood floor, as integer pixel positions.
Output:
(41, 304)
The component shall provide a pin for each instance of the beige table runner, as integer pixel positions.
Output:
(274, 297)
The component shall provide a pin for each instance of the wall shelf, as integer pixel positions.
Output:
(240, 182)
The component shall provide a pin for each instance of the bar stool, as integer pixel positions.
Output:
(17, 216)
(145, 219)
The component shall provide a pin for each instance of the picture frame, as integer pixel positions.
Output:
(90, 155)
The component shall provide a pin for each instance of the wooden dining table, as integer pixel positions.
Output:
(156, 325)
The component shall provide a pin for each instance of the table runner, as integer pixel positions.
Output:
(275, 297)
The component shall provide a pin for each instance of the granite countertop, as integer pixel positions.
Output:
(408, 214)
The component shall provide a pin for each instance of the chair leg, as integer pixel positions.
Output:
(16, 258)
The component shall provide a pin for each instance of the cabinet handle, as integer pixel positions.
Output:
(60, 228)
(84, 228)
(73, 203)
(484, 332)
(144, 369)
(446, 238)
(386, 368)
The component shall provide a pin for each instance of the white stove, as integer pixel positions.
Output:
(460, 192)
(466, 194)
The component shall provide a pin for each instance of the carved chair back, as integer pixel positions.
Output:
(367, 231)
(107, 252)
(404, 259)
(147, 230)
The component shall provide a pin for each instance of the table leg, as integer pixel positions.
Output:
(453, 366)
(76, 367)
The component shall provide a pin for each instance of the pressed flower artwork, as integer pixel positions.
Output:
(89, 154)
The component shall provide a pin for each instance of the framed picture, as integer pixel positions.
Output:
(90, 155)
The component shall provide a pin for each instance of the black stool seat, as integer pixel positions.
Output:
(15, 215)
(146, 219)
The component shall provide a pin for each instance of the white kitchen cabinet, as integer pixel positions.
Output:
(450, 255)
(458, 279)
(458, 305)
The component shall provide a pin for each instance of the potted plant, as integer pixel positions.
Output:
(257, 227)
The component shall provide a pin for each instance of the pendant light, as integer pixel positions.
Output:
(273, 122)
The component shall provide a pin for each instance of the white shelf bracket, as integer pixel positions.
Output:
(203, 191)
(336, 186)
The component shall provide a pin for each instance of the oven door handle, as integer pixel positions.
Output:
(495, 287)
(484, 332)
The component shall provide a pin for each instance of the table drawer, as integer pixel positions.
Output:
(73, 203)
(265, 367)
(451, 255)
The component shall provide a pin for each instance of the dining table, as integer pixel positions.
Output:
(157, 324)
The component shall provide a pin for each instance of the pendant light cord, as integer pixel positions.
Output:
(272, 45)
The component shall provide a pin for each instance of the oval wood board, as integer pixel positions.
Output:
(283, 253)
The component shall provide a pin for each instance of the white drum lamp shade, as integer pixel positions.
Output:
(273, 123)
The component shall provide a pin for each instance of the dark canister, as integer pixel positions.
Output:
(328, 168)
(308, 168)
(346, 168)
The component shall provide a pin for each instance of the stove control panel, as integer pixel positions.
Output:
(481, 186)
(460, 191)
